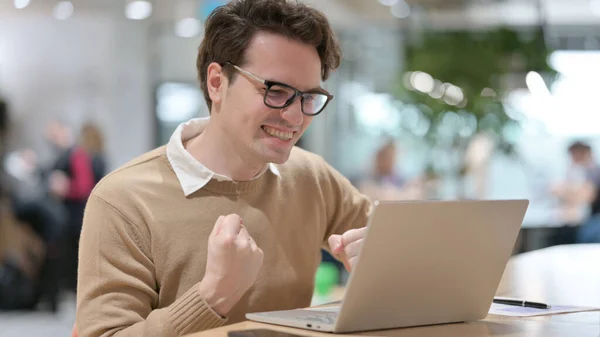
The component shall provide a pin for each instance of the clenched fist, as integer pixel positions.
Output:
(232, 264)
(347, 246)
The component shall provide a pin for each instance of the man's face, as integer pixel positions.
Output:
(266, 134)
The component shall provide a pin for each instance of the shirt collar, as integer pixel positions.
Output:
(192, 175)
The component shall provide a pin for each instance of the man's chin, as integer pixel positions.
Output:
(280, 158)
(277, 157)
(274, 154)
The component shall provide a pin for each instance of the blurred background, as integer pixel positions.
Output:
(435, 99)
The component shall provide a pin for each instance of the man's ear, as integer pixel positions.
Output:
(216, 82)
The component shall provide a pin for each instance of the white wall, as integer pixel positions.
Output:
(86, 68)
(177, 61)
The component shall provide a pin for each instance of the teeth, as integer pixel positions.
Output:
(278, 134)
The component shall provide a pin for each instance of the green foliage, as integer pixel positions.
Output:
(473, 61)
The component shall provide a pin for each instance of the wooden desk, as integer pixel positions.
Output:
(558, 275)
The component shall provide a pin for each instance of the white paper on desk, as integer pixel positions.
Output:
(518, 311)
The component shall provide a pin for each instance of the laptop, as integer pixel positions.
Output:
(422, 263)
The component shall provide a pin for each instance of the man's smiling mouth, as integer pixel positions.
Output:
(277, 133)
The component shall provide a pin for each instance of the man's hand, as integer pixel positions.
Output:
(347, 246)
(232, 264)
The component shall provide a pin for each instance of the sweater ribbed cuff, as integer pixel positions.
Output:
(190, 313)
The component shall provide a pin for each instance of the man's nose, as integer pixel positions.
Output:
(293, 113)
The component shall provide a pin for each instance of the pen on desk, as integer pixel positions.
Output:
(520, 303)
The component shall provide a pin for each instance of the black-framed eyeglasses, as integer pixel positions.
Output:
(280, 95)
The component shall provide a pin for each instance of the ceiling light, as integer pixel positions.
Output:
(388, 2)
(20, 4)
(188, 27)
(63, 10)
(138, 10)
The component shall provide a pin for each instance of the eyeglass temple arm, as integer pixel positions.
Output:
(248, 73)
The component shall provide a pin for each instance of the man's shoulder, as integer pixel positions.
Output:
(146, 168)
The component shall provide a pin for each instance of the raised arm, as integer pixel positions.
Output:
(117, 291)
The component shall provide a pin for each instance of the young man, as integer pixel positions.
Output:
(228, 217)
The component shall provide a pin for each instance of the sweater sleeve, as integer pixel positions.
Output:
(345, 206)
(117, 292)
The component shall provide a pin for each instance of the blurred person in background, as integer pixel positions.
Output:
(71, 180)
(93, 143)
(32, 206)
(29, 194)
(384, 182)
(580, 193)
(583, 157)
(174, 241)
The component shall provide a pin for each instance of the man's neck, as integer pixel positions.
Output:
(215, 151)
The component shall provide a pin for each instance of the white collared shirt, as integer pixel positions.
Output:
(192, 175)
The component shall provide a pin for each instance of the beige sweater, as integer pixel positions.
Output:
(143, 245)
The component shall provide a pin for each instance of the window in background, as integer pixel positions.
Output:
(569, 108)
